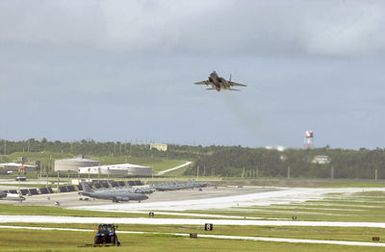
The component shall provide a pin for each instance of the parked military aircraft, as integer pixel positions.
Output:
(11, 196)
(136, 189)
(114, 195)
(172, 186)
(218, 83)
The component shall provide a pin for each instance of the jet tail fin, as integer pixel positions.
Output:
(86, 187)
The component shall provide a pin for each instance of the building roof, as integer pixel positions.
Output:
(16, 165)
(77, 159)
(116, 166)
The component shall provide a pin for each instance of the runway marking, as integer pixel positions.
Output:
(181, 221)
(225, 237)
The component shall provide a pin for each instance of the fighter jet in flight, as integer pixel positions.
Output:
(218, 83)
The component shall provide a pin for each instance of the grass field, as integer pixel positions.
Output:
(318, 233)
(303, 182)
(31, 240)
(19, 209)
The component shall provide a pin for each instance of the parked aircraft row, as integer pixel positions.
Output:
(172, 186)
(140, 189)
(114, 195)
(138, 193)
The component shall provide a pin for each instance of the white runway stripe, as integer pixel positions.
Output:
(180, 221)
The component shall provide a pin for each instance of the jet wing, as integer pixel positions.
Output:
(232, 83)
(205, 82)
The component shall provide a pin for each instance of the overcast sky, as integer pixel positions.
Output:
(124, 71)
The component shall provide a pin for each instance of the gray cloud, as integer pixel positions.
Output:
(230, 28)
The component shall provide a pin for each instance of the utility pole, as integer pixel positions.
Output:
(375, 175)
(40, 171)
(197, 171)
(288, 172)
(332, 172)
(58, 180)
(46, 177)
(5, 147)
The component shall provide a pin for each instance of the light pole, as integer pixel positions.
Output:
(197, 171)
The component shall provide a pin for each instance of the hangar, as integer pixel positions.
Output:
(118, 169)
(73, 164)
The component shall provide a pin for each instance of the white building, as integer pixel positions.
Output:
(321, 159)
(118, 169)
(158, 146)
(73, 164)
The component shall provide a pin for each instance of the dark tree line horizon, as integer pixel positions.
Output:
(227, 161)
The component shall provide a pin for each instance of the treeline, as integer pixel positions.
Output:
(247, 162)
(90, 147)
(225, 161)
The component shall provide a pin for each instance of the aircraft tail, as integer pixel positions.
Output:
(3, 194)
(86, 187)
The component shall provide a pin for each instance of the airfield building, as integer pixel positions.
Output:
(158, 146)
(118, 169)
(9, 168)
(73, 164)
(321, 159)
